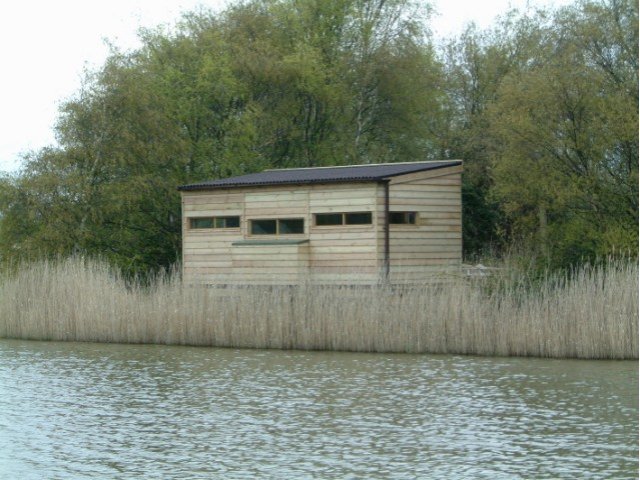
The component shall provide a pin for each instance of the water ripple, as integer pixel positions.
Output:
(113, 411)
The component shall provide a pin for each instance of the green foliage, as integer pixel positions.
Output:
(264, 84)
(543, 109)
(565, 165)
(476, 63)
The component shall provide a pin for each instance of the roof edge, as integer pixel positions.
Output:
(203, 187)
(359, 165)
(425, 166)
(452, 163)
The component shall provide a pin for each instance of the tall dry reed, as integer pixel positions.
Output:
(590, 313)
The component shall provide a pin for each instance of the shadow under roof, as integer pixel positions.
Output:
(351, 173)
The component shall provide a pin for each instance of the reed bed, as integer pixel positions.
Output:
(591, 312)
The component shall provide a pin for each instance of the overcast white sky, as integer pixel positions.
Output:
(45, 45)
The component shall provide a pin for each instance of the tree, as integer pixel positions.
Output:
(476, 63)
(263, 84)
(566, 170)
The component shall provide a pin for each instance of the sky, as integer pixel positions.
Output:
(45, 46)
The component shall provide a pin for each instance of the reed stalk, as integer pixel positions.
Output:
(591, 312)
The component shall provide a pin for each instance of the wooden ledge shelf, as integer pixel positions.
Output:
(243, 243)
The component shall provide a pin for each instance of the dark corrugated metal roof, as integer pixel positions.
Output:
(351, 173)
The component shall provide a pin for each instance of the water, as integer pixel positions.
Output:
(71, 410)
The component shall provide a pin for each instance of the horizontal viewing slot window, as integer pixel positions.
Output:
(357, 218)
(354, 218)
(281, 226)
(214, 222)
(329, 219)
(400, 218)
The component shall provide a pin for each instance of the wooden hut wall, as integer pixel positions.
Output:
(210, 255)
(337, 254)
(344, 253)
(430, 247)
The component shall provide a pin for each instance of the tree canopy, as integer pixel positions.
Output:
(543, 108)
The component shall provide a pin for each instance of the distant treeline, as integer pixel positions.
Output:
(543, 109)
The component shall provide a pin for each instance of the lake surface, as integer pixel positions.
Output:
(74, 410)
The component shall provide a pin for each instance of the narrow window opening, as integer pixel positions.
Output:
(403, 218)
(264, 227)
(290, 225)
(350, 218)
(215, 222)
(281, 226)
(361, 218)
(329, 219)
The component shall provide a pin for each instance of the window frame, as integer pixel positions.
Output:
(278, 232)
(214, 219)
(406, 215)
(343, 216)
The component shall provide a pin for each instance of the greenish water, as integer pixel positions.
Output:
(73, 410)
